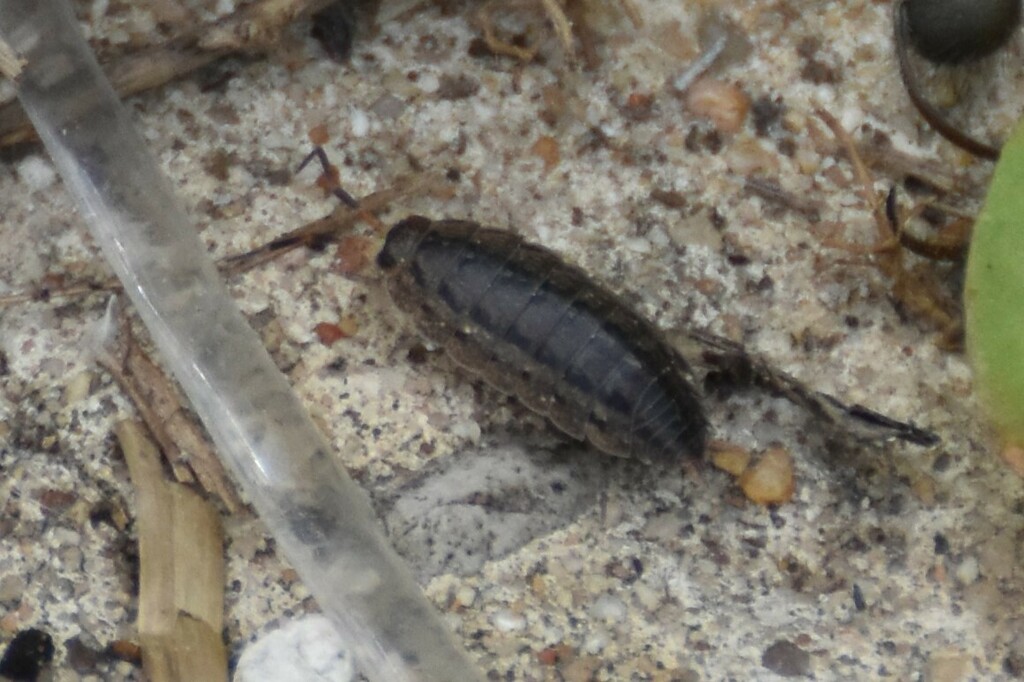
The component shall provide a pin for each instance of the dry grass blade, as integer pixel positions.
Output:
(10, 63)
(181, 574)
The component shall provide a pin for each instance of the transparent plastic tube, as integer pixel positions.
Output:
(321, 520)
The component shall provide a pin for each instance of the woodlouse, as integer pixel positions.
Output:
(540, 329)
(534, 326)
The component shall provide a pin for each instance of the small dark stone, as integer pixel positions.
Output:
(701, 138)
(457, 87)
(28, 653)
(669, 198)
(418, 354)
(858, 598)
(718, 220)
(478, 48)
(1013, 665)
(941, 544)
(814, 69)
(786, 659)
(80, 657)
(628, 569)
(738, 259)
(856, 544)
(335, 27)
(765, 113)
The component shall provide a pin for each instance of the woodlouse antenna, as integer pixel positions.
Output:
(329, 176)
(330, 181)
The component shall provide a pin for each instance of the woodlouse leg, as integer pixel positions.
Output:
(950, 244)
(734, 365)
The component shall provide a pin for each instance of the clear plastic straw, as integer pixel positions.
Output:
(321, 520)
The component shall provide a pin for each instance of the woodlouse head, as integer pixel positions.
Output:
(402, 241)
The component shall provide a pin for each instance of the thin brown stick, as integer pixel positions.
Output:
(326, 228)
(866, 184)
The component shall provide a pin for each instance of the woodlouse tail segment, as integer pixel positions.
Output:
(730, 366)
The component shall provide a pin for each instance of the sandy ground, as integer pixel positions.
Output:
(890, 562)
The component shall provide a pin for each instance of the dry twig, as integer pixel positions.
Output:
(181, 572)
(917, 297)
(552, 9)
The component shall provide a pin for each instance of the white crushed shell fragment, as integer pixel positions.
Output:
(468, 429)
(36, 172)
(609, 608)
(77, 389)
(428, 82)
(359, 123)
(507, 621)
(595, 643)
(307, 649)
(968, 572)
(466, 595)
(648, 598)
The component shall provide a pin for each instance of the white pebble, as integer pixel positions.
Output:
(359, 123)
(468, 429)
(308, 649)
(608, 608)
(466, 595)
(36, 172)
(507, 621)
(595, 643)
(967, 572)
(429, 83)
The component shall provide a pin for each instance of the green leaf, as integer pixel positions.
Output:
(994, 295)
